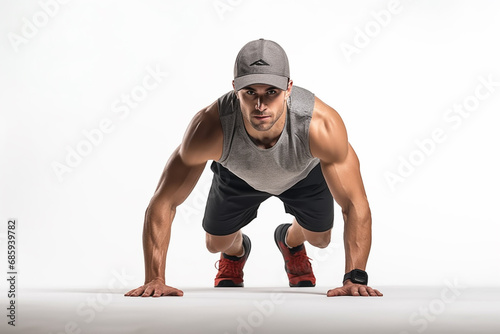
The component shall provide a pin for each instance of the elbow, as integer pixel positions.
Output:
(360, 211)
(159, 212)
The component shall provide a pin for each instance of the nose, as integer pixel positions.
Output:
(259, 106)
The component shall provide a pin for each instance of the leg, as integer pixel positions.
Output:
(311, 203)
(231, 244)
(234, 249)
(231, 205)
(297, 235)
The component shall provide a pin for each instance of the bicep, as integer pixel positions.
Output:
(202, 142)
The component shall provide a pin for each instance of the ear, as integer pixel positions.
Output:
(235, 92)
(289, 88)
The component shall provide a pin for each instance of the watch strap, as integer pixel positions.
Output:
(357, 276)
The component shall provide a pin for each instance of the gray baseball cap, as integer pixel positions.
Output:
(261, 62)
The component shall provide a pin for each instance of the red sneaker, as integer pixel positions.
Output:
(297, 265)
(231, 267)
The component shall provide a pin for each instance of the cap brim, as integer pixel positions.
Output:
(263, 79)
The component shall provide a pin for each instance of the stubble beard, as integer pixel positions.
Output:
(266, 127)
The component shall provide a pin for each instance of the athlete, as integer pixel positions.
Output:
(266, 138)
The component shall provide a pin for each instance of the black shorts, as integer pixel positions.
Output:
(232, 203)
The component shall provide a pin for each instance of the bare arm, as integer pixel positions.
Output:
(344, 180)
(176, 183)
(202, 142)
(340, 166)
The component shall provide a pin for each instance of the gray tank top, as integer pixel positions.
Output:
(275, 169)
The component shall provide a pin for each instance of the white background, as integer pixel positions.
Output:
(440, 224)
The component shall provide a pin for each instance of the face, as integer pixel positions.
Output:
(262, 105)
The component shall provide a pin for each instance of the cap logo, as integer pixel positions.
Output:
(259, 62)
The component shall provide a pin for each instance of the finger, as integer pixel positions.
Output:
(363, 292)
(335, 292)
(175, 292)
(373, 292)
(354, 291)
(169, 292)
(147, 292)
(129, 293)
(135, 292)
(331, 293)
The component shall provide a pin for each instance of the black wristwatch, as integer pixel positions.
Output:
(357, 276)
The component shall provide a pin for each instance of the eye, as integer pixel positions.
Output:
(271, 92)
(250, 92)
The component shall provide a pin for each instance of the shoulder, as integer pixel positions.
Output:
(227, 104)
(301, 101)
(327, 134)
(203, 139)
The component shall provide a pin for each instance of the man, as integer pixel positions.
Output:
(266, 138)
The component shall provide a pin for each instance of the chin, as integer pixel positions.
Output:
(262, 127)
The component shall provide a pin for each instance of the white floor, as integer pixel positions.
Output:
(402, 310)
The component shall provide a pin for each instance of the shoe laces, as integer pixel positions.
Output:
(299, 263)
(229, 267)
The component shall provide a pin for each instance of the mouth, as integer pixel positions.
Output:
(261, 117)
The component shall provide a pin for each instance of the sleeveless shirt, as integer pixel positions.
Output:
(275, 169)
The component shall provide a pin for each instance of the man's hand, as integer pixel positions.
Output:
(351, 289)
(154, 288)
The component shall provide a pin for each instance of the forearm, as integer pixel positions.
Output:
(156, 239)
(357, 237)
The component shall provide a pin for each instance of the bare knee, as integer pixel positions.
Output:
(218, 243)
(320, 240)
